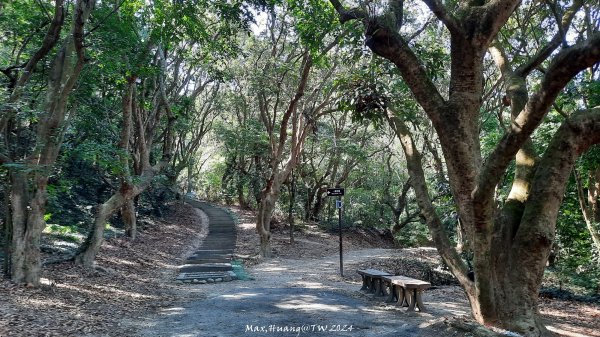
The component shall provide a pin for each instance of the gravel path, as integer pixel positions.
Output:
(301, 298)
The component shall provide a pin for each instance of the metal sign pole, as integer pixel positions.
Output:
(338, 192)
(340, 227)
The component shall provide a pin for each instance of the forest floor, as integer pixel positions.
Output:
(135, 294)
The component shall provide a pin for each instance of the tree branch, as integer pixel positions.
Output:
(441, 13)
(564, 67)
(385, 42)
(348, 14)
(558, 38)
(575, 136)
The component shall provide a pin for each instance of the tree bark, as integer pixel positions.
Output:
(265, 210)
(130, 219)
(292, 192)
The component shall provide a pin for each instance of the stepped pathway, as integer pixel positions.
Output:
(212, 261)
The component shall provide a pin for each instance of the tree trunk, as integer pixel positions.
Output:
(308, 206)
(129, 218)
(190, 183)
(7, 234)
(18, 222)
(88, 251)
(590, 205)
(292, 190)
(263, 222)
(27, 224)
(241, 196)
(317, 208)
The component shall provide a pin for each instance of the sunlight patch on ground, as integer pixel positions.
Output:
(307, 303)
(119, 261)
(122, 292)
(565, 332)
(46, 303)
(240, 295)
(450, 307)
(105, 289)
(247, 225)
(371, 311)
(167, 265)
(274, 269)
(172, 311)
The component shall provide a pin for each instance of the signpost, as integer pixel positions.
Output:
(335, 192)
(338, 192)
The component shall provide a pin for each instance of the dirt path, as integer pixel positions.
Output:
(300, 293)
(306, 297)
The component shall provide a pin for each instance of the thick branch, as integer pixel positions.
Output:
(48, 43)
(348, 14)
(292, 106)
(386, 43)
(573, 138)
(563, 68)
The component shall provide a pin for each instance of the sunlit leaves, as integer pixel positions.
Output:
(316, 19)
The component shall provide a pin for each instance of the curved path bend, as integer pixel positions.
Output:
(291, 297)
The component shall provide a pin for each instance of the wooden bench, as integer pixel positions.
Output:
(371, 281)
(406, 291)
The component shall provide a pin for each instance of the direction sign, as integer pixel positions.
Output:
(338, 204)
(334, 192)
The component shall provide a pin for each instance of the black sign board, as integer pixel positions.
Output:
(334, 192)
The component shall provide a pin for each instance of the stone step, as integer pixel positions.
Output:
(205, 250)
(205, 276)
(196, 268)
(212, 260)
(206, 260)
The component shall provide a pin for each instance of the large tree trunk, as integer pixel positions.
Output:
(123, 198)
(495, 300)
(18, 224)
(292, 191)
(266, 207)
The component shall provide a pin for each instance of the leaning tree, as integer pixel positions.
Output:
(511, 238)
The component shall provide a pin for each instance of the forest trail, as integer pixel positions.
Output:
(294, 297)
(300, 294)
(212, 260)
(301, 291)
